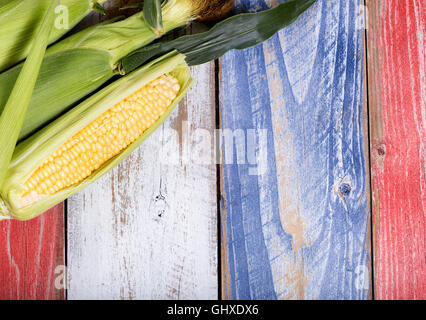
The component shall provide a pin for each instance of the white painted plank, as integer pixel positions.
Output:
(147, 230)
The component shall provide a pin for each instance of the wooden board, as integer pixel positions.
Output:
(397, 92)
(148, 229)
(300, 228)
(32, 257)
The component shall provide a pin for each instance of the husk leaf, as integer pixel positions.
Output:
(12, 117)
(237, 32)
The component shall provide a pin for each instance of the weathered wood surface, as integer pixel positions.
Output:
(31, 257)
(300, 228)
(295, 203)
(148, 230)
(397, 93)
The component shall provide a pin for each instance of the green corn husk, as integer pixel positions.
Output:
(152, 15)
(19, 19)
(4, 2)
(81, 63)
(241, 31)
(12, 117)
(31, 153)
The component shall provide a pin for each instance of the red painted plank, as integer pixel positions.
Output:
(29, 254)
(397, 111)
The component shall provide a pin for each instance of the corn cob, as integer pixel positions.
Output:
(81, 63)
(82, 145)
(20, 18)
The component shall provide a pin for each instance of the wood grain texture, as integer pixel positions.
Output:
(148, 230)
(300, 228)
(30, 253)
(397, 93)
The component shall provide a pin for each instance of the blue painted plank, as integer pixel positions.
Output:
(295, 222)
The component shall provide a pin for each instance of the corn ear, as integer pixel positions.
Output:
(81, 63)
(30, 155)
(13, 114)
(19, 19)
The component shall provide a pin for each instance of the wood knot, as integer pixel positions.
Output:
(381, 151)
(160, 204)
(345, 188)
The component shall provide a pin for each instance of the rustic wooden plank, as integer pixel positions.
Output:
(397, 91)
(150, 225)
(148, 230)
(32, 257)
(299, 229)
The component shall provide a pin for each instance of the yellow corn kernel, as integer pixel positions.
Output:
(104, 138)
